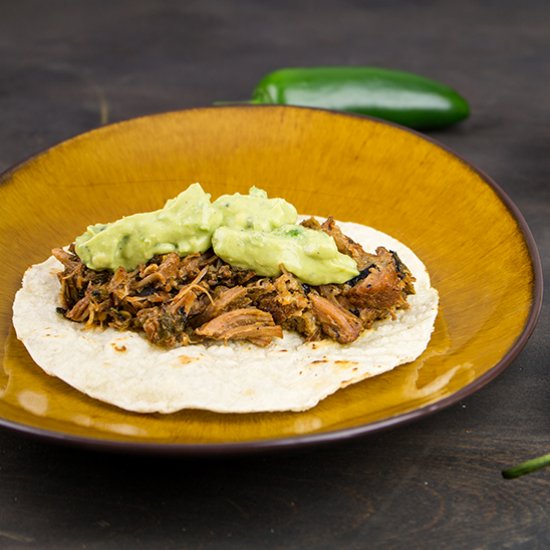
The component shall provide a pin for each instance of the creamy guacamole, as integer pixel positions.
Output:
(248, 231)
(255, 211)
(184, 225)
(311, 255)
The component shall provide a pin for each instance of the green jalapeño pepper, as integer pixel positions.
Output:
(397, 96)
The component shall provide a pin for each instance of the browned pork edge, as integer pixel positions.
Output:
(199, 298)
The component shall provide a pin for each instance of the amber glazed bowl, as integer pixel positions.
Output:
(474, 242)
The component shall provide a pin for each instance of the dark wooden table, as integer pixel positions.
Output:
(67, 67)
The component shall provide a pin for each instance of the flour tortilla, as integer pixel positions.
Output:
(124, 369)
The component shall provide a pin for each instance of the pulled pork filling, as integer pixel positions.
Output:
(199, 298)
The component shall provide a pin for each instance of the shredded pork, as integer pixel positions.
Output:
(199, 298)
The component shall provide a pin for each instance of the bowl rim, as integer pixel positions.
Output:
(314, 439)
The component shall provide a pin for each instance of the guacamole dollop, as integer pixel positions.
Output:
(184, 225)
(311, 255)
(249, 231)
(255, 211)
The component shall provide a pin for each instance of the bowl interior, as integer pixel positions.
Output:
(352, 168)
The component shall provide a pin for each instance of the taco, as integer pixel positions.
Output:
(207, 328)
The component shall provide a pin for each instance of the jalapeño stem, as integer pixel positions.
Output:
(527, 467)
